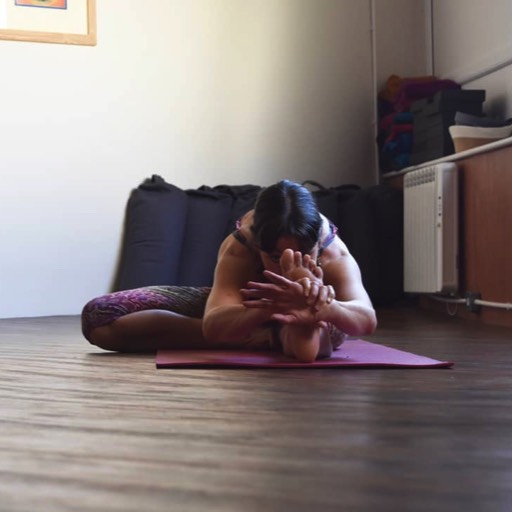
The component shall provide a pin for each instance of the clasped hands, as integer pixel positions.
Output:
(297, 295)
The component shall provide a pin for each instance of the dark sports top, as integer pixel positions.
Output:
(333, 230)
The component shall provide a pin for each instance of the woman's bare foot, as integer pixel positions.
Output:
(305, 271)
(303, 341)
(295, 267)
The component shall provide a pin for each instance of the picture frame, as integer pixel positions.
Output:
(49, 21)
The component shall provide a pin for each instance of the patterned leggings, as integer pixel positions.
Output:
(184, 300)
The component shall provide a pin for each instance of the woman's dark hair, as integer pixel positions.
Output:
(286, 209)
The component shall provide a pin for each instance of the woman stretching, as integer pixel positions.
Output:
(284, 280)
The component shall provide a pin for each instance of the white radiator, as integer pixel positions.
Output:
(431, 229)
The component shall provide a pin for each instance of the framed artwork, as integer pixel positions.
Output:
(49, 21)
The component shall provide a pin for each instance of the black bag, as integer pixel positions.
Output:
(388, 211)
(243, 196)
(211, 215)
(206, 225)
(153, 235)
(370, 223)
(330, 199)
(172, 236)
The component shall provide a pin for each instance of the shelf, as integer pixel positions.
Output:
(486, 148)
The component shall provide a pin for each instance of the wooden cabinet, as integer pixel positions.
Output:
(485, 180)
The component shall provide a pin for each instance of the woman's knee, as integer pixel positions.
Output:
(97, 318)
(105, 338)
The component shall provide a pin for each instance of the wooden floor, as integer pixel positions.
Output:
(84, 430)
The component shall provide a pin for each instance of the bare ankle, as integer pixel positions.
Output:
(301, 341)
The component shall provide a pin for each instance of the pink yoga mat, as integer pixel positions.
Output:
(352, 354)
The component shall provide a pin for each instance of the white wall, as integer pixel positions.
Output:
(402, 33)
(498, 87)
(199, 91)
(472, 44)
(465, 40)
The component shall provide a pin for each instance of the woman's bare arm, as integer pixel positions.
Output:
(226, 319)
(351, 311)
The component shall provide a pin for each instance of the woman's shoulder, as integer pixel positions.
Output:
(330, 241)
(240, 241)
(245, 222)
(328, 232)
(243, 233)
(327, 224)
(236, 255)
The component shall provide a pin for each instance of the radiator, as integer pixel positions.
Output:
(431, 229)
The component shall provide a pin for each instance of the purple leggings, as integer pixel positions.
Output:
(184, 300)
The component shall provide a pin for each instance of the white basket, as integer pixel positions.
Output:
(468, 137)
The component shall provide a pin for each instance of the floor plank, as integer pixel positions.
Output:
(85, 430)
